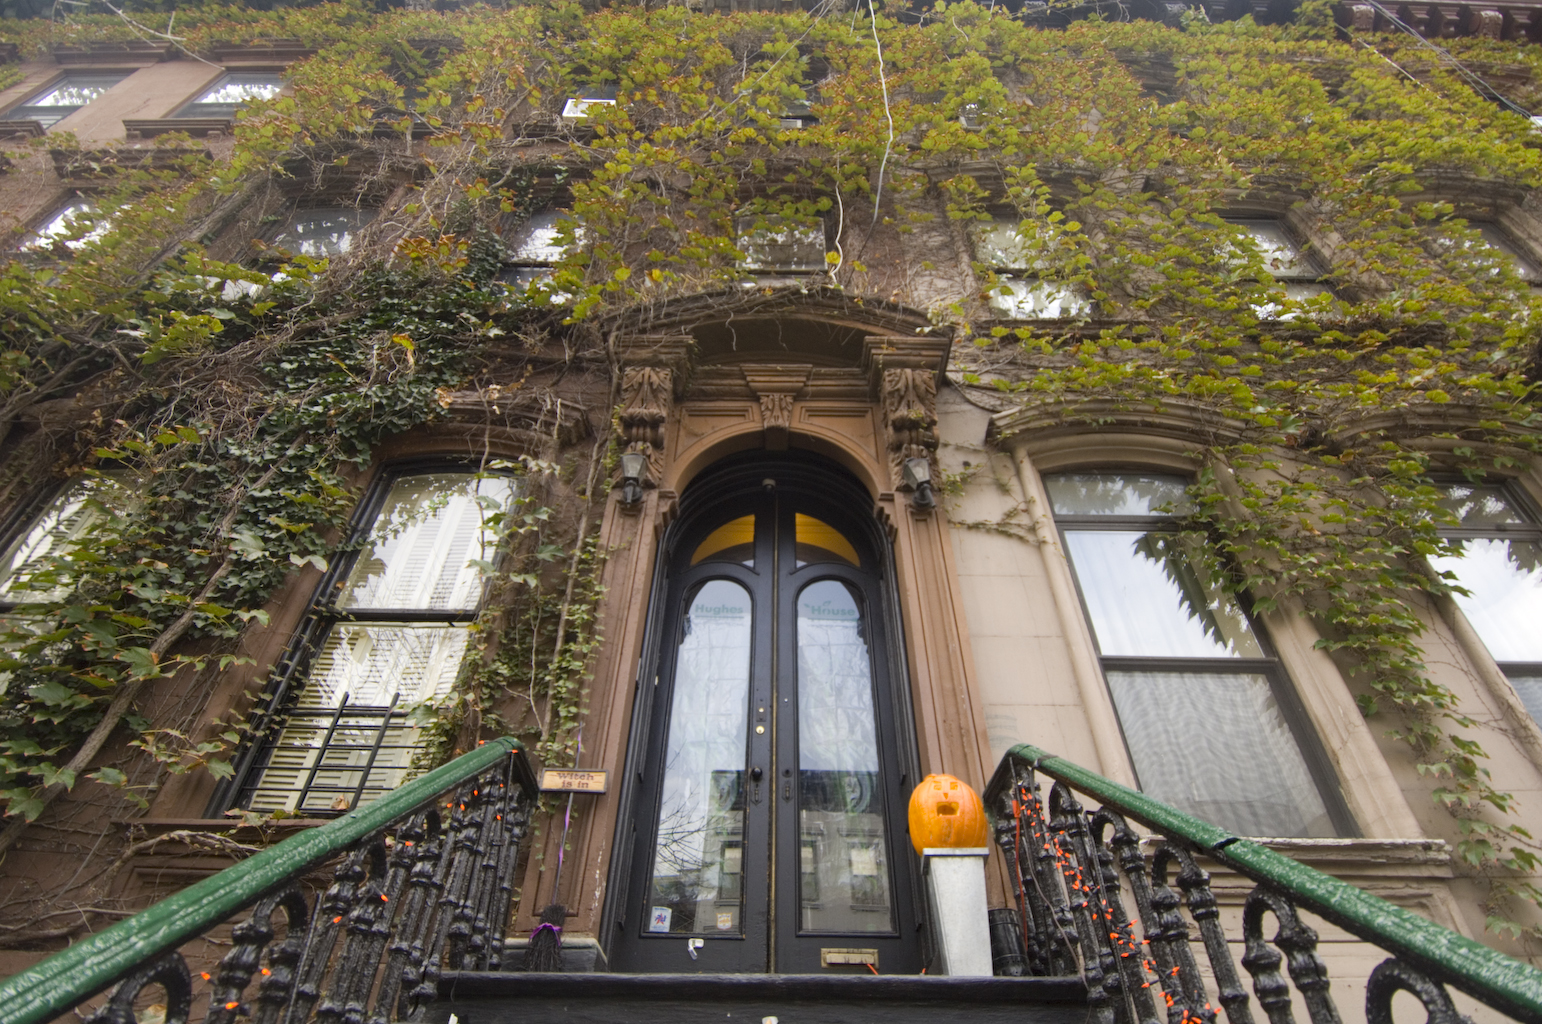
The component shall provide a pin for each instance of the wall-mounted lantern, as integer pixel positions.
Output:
(918, 478)
(634, 469)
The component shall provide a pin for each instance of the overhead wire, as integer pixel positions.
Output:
(1472, 78)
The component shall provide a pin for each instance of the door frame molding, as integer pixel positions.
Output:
(704, 413)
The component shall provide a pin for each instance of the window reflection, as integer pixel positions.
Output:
(696, 883)
(430, 544)
(1497, 560)
(1196, 692)
(844, 876)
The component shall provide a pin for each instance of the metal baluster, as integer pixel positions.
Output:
(472, 949)
(236, 968)
(429, 875)
(1132, 958)
(331, 910)
(1263, 960)
(1010, 825)
(459, 849)
(1182, 982)
(278, 984)
(169, 971)
(514, 815)
(1393, 976)
(1195, 883)
(1066, 820)
(343, 981)
(1298, 940)
(1059, 935)
(412, 907)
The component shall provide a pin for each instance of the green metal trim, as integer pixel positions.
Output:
(48, 989)
(1506, 984)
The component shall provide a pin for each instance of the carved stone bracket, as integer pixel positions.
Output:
(904, 373)
(776, 387)
(654, 371)
(647, 393)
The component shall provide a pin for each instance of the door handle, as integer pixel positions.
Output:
(755, 777)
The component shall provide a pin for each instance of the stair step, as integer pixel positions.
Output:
(519, 998)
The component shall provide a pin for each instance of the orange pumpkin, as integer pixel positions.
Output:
(946, 813)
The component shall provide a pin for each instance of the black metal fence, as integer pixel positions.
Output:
(1076, 871)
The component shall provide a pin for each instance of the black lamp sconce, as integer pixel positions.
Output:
(634, 470)
(918, 478)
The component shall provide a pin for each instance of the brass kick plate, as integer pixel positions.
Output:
(848, 958)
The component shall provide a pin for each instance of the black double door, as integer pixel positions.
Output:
(768, 823)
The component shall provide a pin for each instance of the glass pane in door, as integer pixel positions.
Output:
(696, 884)
(844, 873)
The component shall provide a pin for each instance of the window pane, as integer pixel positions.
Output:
(1529, 688)
(242, 89)
(1145, 600)
(1033, 299)
(325, 231)
(1000, 245)
(818, 541)
(1116, 494)
(535, 241)
(775, 243)
(1282, 256)
(1505, 603)
(1497, 240)
(845, 856)
(695, 884)
(424, 548)
(732, 542)
(71, 220)
(56, 533)
(1216, 746)
(348, 724)
(76, 91)
(1477, 506)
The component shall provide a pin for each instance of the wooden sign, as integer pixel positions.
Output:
(565, 780)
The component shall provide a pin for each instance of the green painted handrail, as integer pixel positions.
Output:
(1499, 981)
(48, 989)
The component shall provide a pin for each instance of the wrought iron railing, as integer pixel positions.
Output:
(424, 884)
(1073, 869)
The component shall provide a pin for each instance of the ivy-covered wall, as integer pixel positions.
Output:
(245, 391)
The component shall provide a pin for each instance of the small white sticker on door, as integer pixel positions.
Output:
(725, 920)
(660, 918)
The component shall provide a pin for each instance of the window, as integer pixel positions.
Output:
(1207, 715)
(577, 107)
(1019, 292)
(389, 636)
(231, 93)
(65, 97)
(771, 242)
(1500, 566)
(35, 546)
(324, 230)
(1292, 269)
(1498, 241)
(535, 247)
(73, 225)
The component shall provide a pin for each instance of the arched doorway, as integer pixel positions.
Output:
(773, 748)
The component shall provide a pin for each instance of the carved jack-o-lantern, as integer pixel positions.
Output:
(946, 813)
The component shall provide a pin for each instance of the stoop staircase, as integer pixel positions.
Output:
(413, 928)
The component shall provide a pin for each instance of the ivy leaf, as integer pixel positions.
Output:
(53, 776)
(298, 559)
